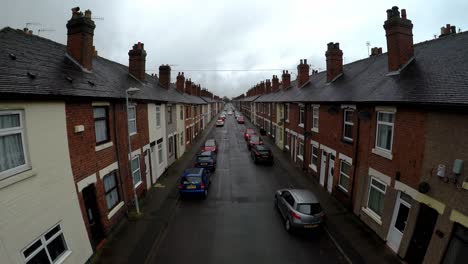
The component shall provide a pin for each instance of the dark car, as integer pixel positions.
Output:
(210, 145)
(249, 132)
(240, 120)
(261, 153)
(254, 140)
(206, 159)
(195, 181)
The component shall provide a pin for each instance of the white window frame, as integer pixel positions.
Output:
(135, 170)
(315, 115)
(299, 154)
(301, 115)
(169, 116)
(312, 165)
(16, 130)
(368, 209)
(158, 116)
(385, 123)
(112, 174)
(132, 119)
(349, 123)
(44, 244)
(345, 175)
(269, 109)
(160, 157)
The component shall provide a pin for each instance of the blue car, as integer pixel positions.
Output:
(206, 159)
(195, 181)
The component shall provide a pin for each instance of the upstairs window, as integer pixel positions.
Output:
(132, 120)
(286, 112)
(181, 113)
(348, 125)
(13, 157)
(301, 116)
(101, 124)
(315, 118)
(169, 114)
(385, 125)
(158, 116)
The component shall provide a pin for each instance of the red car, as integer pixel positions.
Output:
(254, 140)
(249, 132)
(210, 145)
(240, 120)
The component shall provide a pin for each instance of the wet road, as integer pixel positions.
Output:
(238, 222)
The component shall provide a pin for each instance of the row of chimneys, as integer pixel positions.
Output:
(399, 33)
(80, 48)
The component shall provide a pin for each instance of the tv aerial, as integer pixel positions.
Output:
(44, 30)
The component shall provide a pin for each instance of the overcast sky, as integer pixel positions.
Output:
(233, 34)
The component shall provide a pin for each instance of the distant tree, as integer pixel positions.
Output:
(226, 99)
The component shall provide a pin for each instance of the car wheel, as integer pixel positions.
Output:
(287, 225)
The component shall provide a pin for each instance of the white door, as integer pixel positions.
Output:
(323, 167)
(153, 164)
(147, 171)
(331, 166)
(398, 224)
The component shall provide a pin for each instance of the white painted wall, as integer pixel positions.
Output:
(46, 195)
(156, 133)
(181, 130)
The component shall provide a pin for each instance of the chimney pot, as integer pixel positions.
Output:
(403, 13)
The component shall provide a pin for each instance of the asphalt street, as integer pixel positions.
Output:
(238, 222)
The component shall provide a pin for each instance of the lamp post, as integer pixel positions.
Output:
(129, 92)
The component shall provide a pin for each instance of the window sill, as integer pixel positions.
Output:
(301, 125)
(313, 167)
(300, 157)
(286, 147)
(17, 178)
(343, 189)
(63, 257)
(315, 129)
(347, 141)
(132, 134)
(104, 146)
(383, 153)
(372, 215)
(115, 210)
(138, 184)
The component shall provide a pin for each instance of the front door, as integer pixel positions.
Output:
(398, 224)
(153, 164)
(331, 167)
(92, 213)
(323, 167)
(147, 169)
(422, 234)
(175, 145)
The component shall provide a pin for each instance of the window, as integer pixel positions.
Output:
(301, 150)
(136, 170)
(101, 124)
(110, 188)
(269, 109)
(314, 157)
(301, 115)
(384, 137)
(343, 181)
(132, 120)
(158, 116)
(286, 112)
(375, 201)
(171, 146)
(13, 157)
(160, 153)
(187, 112)
(169, 114)
(348, 125)
(48, 248)
(315, 118)
(181, 113)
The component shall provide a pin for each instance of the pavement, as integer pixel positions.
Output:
(238, 222)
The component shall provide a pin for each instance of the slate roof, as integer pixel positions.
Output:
(437, 75)
(56, 75)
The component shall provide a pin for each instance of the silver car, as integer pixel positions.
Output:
(299, 209)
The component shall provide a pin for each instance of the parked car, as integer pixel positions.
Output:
(249, 132)
(240, 120)
(220, 122)
(210, 145)
(254, 140)
(223, 117)
(206, 159)
(261, 153)
(229, 113)
(195, 181)
(299, 208)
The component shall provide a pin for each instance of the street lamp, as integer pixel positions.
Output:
(129, 92)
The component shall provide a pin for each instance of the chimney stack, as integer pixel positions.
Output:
(165, 76)
(193, 89)
(137, 61)
(262, 87)
(267, 86)
(188, 86)
(286, 80)
(198, 90)
(180, 82)
(275, 84)
(376, 51)
(302, 72)
(399, 32)
(334, 61)
(80, 32)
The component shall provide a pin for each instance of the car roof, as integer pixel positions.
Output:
(193, 172)
(205, 153)
(210, 141)
(303, 196)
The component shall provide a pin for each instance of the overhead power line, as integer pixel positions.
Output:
(227, 70)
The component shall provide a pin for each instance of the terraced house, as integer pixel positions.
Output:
(73, 150)
(385, 135)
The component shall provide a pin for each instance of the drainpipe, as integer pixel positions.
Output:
(304, 167)
(356, 149)
(118, 160)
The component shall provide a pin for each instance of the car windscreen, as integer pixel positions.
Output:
(254, 138)
(264, 152)
(309, 209)
(204, 158)
(191, 180)
(210, 143)
(250, 131)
